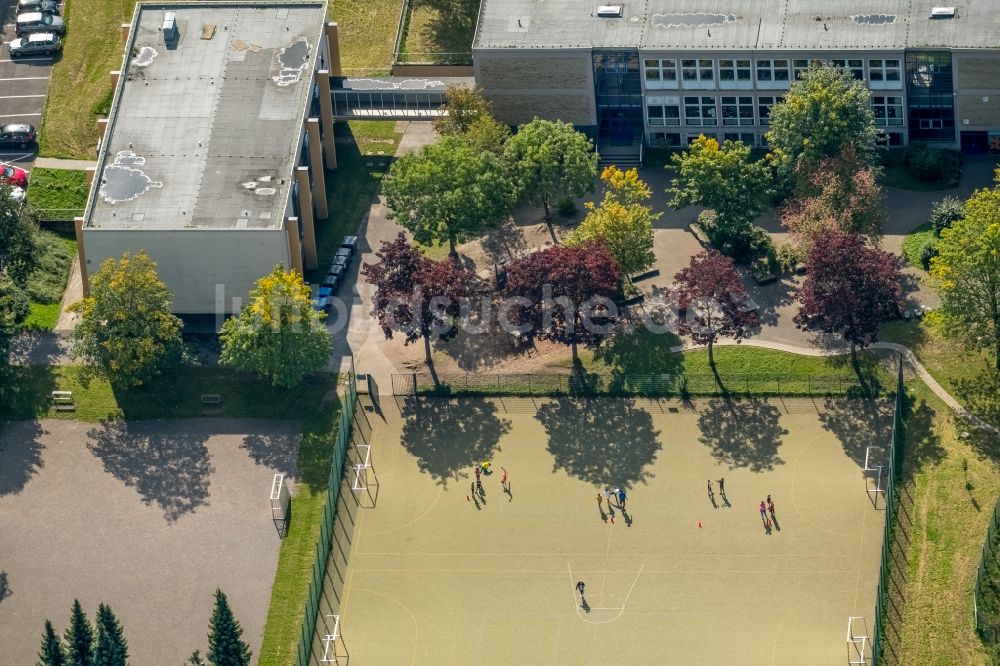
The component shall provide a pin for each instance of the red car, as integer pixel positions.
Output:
(11, 175)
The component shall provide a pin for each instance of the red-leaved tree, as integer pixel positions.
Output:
(714, 302)
(564, 294)
(415, 296)
(850, 288)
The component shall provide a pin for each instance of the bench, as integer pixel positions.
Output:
(63, 401)
(211, 399)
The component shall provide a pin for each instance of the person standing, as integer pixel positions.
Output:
(580, 587)
(763, 511)
(710, 487)
(503, 477)
(770, 506)
(600, 506)
(722, 485)
(621, 498)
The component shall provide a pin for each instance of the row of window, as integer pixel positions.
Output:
(739, 74)
(674, 139)
(705, 110)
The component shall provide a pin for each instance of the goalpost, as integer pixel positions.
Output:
(330, 641)
(871, 469)
(858, 642)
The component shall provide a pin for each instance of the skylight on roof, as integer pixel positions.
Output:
(609, 11)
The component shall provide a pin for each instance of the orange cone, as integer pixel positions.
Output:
(699, 524)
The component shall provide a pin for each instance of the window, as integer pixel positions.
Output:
(698, 74)
(745, 137)
(700, 111)
(772, 74)
(931, 123)
(735, 75)
(660, 73)
(663, 110)
(799, 66)
(888, 110)
(665, 139)
(764, 105)
(763, 140)
(856, 67)
(884, 74)
(737, 110)
(889, 139)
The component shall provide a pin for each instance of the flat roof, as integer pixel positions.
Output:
(737, 24)
(205, 130)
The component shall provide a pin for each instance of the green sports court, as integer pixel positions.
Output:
(425, 571)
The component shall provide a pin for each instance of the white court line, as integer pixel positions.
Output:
(26, 78)
(18, 115)
(19, 96)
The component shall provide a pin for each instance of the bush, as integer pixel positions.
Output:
(55, 254)
(944, 213)
(789, 256)
(566, 206)
(927, 252)
(743, 242)
(930, 164)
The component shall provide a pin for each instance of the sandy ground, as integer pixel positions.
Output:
(438, 574)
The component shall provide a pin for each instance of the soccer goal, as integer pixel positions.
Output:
(331, 642)
(363, 479)
(858, 642)
(874, 473)
(280, 500)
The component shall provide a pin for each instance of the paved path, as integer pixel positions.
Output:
(56, 163)
(909, 357)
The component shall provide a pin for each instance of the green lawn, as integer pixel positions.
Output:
(58, 194)
(367, 34)
(42, 317)
(438, 37)
(351, 188)
(952, 483)
(81, 77)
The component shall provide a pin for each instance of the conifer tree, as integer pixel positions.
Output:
(51, 653)
(225, 647)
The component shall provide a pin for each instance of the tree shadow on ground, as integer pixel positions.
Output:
(859, 423)
(20, 455)
(921, 444)
(639, 352)
(603, 441)
(481, 341)
(981, 395)
(505, 242)
(276, 451)
(5, 590)
(453, 25)
(170, 470)
(447, 435)
(742, 432)
(771, 297)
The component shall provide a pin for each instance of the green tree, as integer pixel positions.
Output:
(127, 332)
(14, 308)
(967, 272)
(463, 106)
(18, 247)
(825, 111)
(279, 334)
(111, 648)
(549, 160)
(52, 653)
(225, 645)
(726, 180)
(627, 232)
(486, 133)
(447, 191)
(79, 638)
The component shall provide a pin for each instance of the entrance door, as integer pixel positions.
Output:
(975, 143)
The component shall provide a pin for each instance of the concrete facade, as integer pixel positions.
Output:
(208, 270)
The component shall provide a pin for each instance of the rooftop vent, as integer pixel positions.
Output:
(609, 11)
(942, 12)
(874, 19)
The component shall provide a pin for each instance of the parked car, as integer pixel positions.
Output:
(19, 135)
(43, 6)
(32, 22)
(11, 175)
(40, 43)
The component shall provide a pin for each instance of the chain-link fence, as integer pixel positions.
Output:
(652, 385)
(340, 445)
(986, 596)
(882, 599)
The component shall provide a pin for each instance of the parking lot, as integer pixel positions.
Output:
(23, 84)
